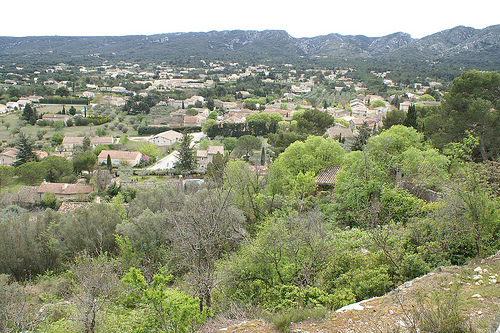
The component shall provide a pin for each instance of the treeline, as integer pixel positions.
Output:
(64, 100)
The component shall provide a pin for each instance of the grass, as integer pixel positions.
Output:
(282, 320)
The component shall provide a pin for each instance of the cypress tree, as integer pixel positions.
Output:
(411, 117)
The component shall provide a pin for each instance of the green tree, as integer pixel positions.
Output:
(57, 168)
(109, 163)
(213, 115)
(378, 103)
(426, 97)
(394, 117)
(169, 309)
(411, 117)
(229, 144)
(364, 133)
(210, 104)
(187, 157)
(28, 112)
(313, 121)
(31, 172)
(62, 91)
(150, 150)
(85, 161)
(471, 106)
(246, 144)
(26, 150)
(6, 174)
(207, 124)
(57, 138)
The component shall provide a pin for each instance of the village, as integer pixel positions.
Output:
(118, 91)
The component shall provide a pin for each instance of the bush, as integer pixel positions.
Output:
(96, 120)
(440, 312)
(283, 320)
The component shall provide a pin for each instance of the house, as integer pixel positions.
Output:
(168, 138)
(101, 140)
(71, 142)
(119, 157)
(51, 117)
(339, 131)
(8, 156)
(12, 106)
(191, 121)
(204, 157)
(327, 179)
(65, 191)
(359, 122)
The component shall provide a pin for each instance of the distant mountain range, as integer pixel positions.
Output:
(458, 45)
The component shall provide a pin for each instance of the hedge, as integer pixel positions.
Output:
(153, 130)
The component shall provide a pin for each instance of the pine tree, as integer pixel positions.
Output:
(28, 112)
(26, 152)
(263, 156)
(187, 159)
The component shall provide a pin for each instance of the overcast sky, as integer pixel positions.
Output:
(306, 18)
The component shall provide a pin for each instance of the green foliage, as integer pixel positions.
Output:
(246, 144)
(49, 200)
(150, 150)
(85, 161)
(399, 206)
(411, 117)
(378, 103)
(426, 97)
(191, 112)
(31, 173)
(394, 117)
(95, 120)
(64, 100)
(283, 319)
(168, 309)
(6, 175)
(313, 121)
(440, 312)
(187, 157)
(26, 150)
(470, 107)
(229, 144)
(207, 124)
(56, 169)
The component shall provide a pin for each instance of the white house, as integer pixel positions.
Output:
(168, 138)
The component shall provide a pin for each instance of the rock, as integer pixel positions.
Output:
(477, 277)
(493, 281)
(476, 296)
(478, 269)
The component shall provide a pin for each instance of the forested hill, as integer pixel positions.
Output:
(459, 46)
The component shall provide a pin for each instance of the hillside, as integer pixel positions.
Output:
(462, 44)
(478, 297)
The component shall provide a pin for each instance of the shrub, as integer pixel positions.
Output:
(440, 312)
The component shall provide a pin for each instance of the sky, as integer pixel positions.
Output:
(306, 18)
